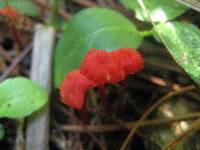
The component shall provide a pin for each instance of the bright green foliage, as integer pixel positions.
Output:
(19, 97)
(26, 7)
(183, 42)
(98, 28)
(158, 10)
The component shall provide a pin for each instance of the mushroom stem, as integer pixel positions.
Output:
(84, 114)
(103, 97)
(120, 95)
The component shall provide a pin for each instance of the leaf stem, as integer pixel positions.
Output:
(6, 2)
(146, 33)
(103, 97)
(20, 135)
(54, 11)
(84, 114)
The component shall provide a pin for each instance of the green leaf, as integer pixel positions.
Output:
(158, 10)
(98, 28)
(183, 42)
(26, 7)
(2, 132)
(19, 97)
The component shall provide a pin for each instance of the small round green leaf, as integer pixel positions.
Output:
(19, 97)
(159, 10)
(26, 7)
(98, 28)
(183, 42)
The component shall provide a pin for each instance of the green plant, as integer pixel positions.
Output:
(98, 28)
(106, 29)
(25, 7)
(20, 97)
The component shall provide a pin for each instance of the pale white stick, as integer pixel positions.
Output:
(37, 131)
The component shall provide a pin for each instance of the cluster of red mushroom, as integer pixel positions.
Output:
(9, 12)
(98, 68)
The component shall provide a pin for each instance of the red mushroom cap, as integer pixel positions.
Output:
(73, 89)
(9, 12)
(100, 66)
(130, 59)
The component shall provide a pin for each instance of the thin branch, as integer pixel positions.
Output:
(151, 109)
(128, 125)
(65, 111)
(61, 11)
(16, 62)
(111, 3)
(86, 3)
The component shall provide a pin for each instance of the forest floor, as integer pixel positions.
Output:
(161, 82)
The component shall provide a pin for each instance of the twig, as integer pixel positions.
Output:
(61, 140)
(16, 61)
(111, 3)
(151, 109)
(61, 12)
(194, 95)
(102, 3)
(79, 122)
(161, 65)
(86, 3)
(7, 56)
(64, 14)
(97, 118)
(37, 132)
(128, 125)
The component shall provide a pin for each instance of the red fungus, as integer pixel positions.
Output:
(73, 88)
(9, 12)
(130, 59)
(13, 15)
(100, 66)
